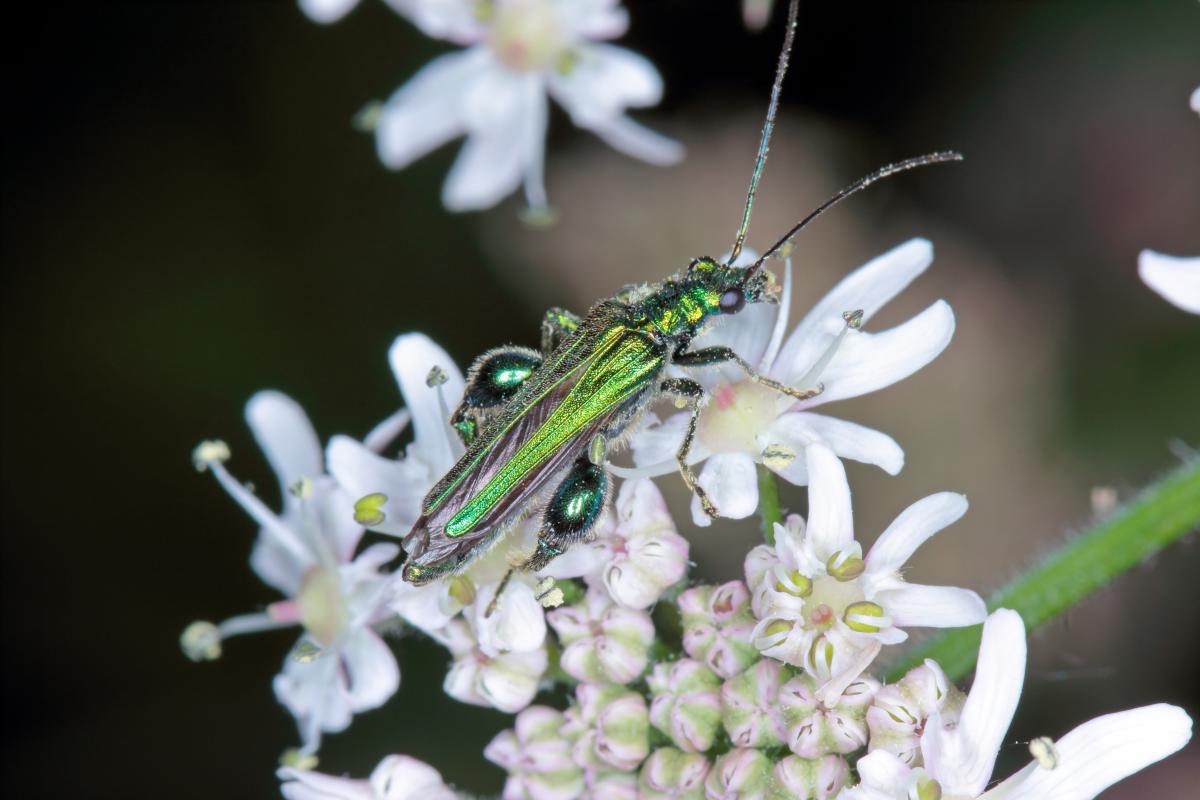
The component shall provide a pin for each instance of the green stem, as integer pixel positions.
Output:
(768, 503)
(1161, 514)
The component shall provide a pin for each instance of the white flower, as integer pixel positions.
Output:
(396, 778)
(1176, 279)
(508, 681)
(1195, 101)
(823, 606)
(495, 92)
(747, 423)
(340, 666)
(959, 757)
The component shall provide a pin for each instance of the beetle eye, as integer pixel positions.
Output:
(732, 301)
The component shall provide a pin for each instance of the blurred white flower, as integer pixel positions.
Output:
(746, 423)
(823, 606)
(959, 757)
(1195, 101)
(495, 92)
(1176, 278)
(340, 665)
(396, 778)
(507, 681)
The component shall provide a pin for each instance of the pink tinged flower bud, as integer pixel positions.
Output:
(816, 729)
(611, 785)
(899, 711)
(750, 705)
(610, 726)
(811, 778)
(740, 774)
(717, 622)
(671, 774)
(537, 758)
(648, 554)
(686, 703)
(602, 643)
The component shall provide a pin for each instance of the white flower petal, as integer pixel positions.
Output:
(326, 11)
(915, 525)
(882, 770)
(603, 82)
(412, 356)
(425, 607)
(830, 516)
(285, 435)
(453, 20)
(915, 605)
(658, 444)
(866, 362)
(1176, 279)
(406, 778)
(302, 784)
(386, 431)
(961, 758)
(516, 623)
(595, 19)
(636, 140)
(847, 439)
(1101, 752)
(868, 288)
(362, 472)
(371, 670)
(732, 485)
(506, 118)
(1195, 100)
(428, 110)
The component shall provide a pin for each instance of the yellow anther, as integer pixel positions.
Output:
(801, 585)
(845, 567)
(462, 590)
(292, 757)
(854, 319)
(368, 510)
(777, 456)
(777, 627)
(929, 789)
(1044, 752)
(201, 641)
(436, 377)
(863, 608)
(306, 652)
(301, 489)
(212, 451)
(548, 593)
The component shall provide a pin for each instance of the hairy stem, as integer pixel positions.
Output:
(1162, 513)
(768, 503)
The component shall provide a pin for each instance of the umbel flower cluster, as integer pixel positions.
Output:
(765, 685)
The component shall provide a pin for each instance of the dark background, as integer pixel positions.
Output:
(189, 217)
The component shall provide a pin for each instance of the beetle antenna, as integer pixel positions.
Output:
(858, 185)
(760, 160)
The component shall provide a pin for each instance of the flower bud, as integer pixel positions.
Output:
(740, 774)
(717, 623)
(537, 757)
(671, 774)
(686, 703)
(602, 643)
(816, 729)
(612, 785)
(811, 778)
(899, 711)
(611, 725)
(750, 707)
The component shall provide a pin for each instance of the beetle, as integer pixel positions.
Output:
(538, 425)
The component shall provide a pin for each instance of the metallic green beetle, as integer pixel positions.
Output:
(538, 425)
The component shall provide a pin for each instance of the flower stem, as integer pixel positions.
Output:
(1162, 513)
(768, 503)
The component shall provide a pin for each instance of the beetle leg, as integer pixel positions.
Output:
(571, 512)
(493, 379)
(557, 325)
(693, 393)
(720, 355)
